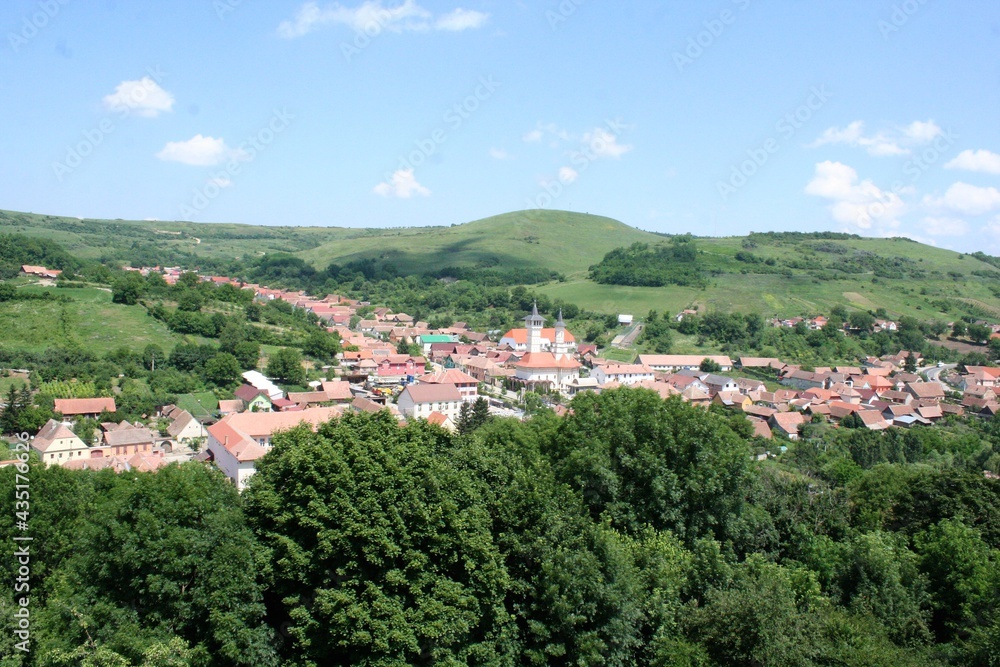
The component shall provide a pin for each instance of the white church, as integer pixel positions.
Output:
(555, 367)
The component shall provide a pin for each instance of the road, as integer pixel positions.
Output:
(933, 373)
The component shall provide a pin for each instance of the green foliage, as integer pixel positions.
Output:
(640, 265)
(642, 461)
(382, 552)
(285, 365)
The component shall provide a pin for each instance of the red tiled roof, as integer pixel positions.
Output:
(84, 406)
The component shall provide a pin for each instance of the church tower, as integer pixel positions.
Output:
(559, 345)
(534, 323)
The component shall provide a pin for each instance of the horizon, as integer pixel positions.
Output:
(400, 114)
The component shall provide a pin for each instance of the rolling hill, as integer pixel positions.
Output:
(774, 274)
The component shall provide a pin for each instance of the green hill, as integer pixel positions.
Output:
(557, 240)
(774, 274)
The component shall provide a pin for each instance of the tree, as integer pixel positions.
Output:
(910, 363)
(153, 356)
(223, 369)
(709, 366)
(285, 365)
(382, 551)
(128, 288)
(979, 333)
(639, 460)
(160, 558)
(321, 345)
(862, 321)
(959, 329)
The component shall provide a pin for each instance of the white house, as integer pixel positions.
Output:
(421, 399)
(627, 374)
(681, 362)
(238, 440)
(185, 428)
(56, 444)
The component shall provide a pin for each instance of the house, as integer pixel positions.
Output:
(732, 399)
(746, 385)
(467, 385)
(676, 362)
(229, 406)
(399, 366)
(578, 384)
(130, 439)
(56, 444)
(626, 374)
(932, 391)
(362, 404)
(624, 320)
(682, 382)
(257, 380)
(442, 420)
(254, 399)
(84, 407)
(787, 423)
(421, 399)
(761, 429)
(39, 271)
(873, 420)
(695, 396)
(719, 383)
(237, 441)
(662, 388)
(185, 428)
(427, 340)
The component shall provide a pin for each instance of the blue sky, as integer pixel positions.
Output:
(716, 118)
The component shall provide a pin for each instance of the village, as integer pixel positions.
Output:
(458, 367)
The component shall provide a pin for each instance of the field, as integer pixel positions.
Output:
(90, 320)
(202, 405)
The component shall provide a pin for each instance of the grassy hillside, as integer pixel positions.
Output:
(90, 319)
(775, 274)
(557, 240)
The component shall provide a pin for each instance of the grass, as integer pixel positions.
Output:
(201, 405)
(90, 320)
(615, 354)
(569, 243)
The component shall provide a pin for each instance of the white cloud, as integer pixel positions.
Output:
(371, 18)
(855, 203)
(981, 160)
(200, 151)
(967, 199)
(945, 226)
(882, 143)
(533, 136)
(922, 132)
(142, 96)
(401, 184)
(500, 154)
(605, 144)
(461, 19)
(567, 175)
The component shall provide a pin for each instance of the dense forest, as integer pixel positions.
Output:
(633, 531)
(640, 265)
